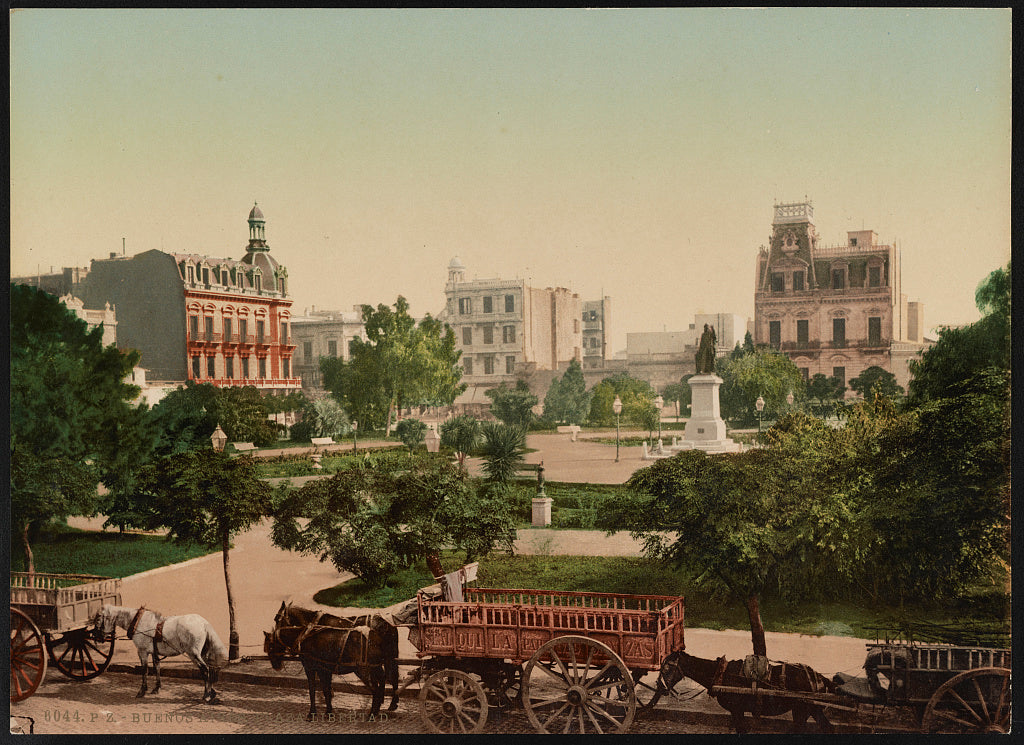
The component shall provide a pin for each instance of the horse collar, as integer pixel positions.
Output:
(135, 621)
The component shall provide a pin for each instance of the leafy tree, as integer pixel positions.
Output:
(321, 417)
(567, 400)
(401, 363)
(461, 434)
(764, 373)
(185, 418)
(513, 406)
(72, 422)
(827, 391)
(503, 449)
(960, 353)
(373, 522)
(242, 413)
(875, 380)
(637, 398)
(205, 497)
(411, 432)
(680, 393)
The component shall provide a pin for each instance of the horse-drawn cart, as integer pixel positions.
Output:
(573, 660)
(51, 616)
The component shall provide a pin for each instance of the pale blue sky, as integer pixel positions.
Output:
(636, 152)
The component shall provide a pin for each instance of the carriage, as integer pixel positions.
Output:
(575, 661)
(51, 616)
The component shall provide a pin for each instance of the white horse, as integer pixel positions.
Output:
(190, 635)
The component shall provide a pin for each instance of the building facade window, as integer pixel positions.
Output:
(287, 366)
(227, 330)
(332, 348)
(195, 368)
(839, 373)
(211, 367)
(243, 330)
(508, 334)
(510, 365)
(284, 332)
(802, 326)
(488, 334)
(193, 327)
(488, 365)
(467, 336)
(874, 276)
(191, 275)
(488, 304)
(257, 282)
(206, 275)
(778, 282)
(208, 323)
(775, 333)
(225, 278)
(874, 331)
(838, 279)
(465, 305)
(263, 368)
(806, 373)
(798, 281)
(510, 303)
(307, 351)
(245, 368)
(839, 332)
(229, 367)
(467, 366)
(260, 332)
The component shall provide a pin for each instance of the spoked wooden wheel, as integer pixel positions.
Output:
(576, 684)
(647, 687)
(452, 702)
(78, 655)
(974, 701)
(28, 656)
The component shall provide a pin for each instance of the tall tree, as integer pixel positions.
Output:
(503, 449)
(461, 434)
(513, 405)
(401, 363)
(875, 380)
(411, 432)
(567, 399)
(764, 373)
(637, 397)
(206, 497)
(960, 353)
(72, 422)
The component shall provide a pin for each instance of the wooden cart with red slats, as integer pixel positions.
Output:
(575, 661)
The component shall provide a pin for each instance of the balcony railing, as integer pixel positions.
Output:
(815, 346)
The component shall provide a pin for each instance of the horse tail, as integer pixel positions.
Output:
(214, 652)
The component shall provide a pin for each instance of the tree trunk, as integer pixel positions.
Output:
(233, 633)
(434, 563)
(30, 565)
(756, 629)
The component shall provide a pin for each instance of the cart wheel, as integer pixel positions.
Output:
(648, 692)
(576, 684)
(28, 656)
(510, 688)
(451, 702)
(78, 655)
(974, 701)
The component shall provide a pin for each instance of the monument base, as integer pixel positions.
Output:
(705, 429)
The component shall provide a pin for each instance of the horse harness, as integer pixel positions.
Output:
(158, 633)
(311, 629)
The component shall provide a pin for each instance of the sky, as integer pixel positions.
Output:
(633, 153)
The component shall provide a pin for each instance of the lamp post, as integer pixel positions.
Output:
(789, 398)
(659, 402)
(219, 439)
(617, 408)
(355, 444)
(759, 405)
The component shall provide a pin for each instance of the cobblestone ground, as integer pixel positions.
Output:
(107, 705)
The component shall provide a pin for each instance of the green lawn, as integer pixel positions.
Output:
(638, 576)
(68, 550)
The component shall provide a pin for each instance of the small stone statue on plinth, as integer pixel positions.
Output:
(541, 502)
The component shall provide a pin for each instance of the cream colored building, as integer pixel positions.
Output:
(835, 310)
(323, 333)
(504, 326)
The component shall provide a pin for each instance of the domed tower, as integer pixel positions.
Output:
(456, 271)
(257, 254)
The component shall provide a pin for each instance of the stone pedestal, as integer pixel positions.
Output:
(541, 512)
(705, 429)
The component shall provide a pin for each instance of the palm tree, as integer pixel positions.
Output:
(503, 450)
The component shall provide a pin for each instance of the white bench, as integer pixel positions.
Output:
(319, 441)
(243, 446)
(570, 429)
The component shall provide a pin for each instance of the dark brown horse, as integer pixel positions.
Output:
(325, 651)
(783, 676)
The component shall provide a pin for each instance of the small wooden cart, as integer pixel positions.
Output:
(51, 616)
(573, 660)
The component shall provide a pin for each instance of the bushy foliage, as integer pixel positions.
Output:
(373, 522)
(762, 372)
(411, 432)
(503, 448)
(513, 406)
(637, 398)
(875, 380)
(567, 400)
(461, 434)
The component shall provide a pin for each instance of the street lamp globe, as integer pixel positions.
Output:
(617, 406)
(759, 404)
(789, 398)
(660, 403)
(219, 439)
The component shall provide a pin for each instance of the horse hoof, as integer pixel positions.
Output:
(393, 707)
(140, 694)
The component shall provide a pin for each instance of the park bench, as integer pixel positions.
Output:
(320, 441)
(243, 447)
(569, 429)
